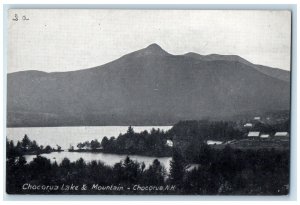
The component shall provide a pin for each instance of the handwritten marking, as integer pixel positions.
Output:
(25, 18)
(16, 18)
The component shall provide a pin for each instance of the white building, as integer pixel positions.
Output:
(281, 134)
(249, 125)
(253, 134)
(264, 136)
(169, 143)
(213, 142)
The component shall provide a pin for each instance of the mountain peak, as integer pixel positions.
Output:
(154, 46)
(154, 49)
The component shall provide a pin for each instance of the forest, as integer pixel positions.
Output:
(226, 171)
(28, 147)
(220, 172)
(145, 143)
(186, 136)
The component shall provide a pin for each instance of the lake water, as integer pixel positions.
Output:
(108, 159)
(66, 136)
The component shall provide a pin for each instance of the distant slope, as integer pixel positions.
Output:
(273, 72)
(146, 87)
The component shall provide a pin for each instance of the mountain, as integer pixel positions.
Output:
(146, 87)
(274, 72)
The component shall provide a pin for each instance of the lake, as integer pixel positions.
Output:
(108, 159)
(66, 136)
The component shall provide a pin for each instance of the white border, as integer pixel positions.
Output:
(216, 4)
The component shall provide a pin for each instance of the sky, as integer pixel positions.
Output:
(66, 40)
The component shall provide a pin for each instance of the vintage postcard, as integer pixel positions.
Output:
(148, 102)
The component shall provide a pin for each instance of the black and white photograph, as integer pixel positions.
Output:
(148, 102)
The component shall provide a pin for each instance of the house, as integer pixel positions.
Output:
(281, 134)
(253, 134)
(264, 136)
(169, 143)
(248, 125)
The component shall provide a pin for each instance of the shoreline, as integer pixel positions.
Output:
(118, 153)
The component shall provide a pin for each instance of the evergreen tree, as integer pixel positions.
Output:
(177, 168)
(155, 174)
(130, 131)
(26, 142)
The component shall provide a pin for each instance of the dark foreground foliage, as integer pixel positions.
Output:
(219, 171)
(225, 172)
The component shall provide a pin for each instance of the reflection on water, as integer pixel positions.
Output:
(108, 159)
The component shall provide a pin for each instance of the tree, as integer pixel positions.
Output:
(177, 168)
(95, 144)
(155, 174)
(34, 146)
(65, 163)
(26, 142)
(104, 142)
(40, 166)
(10, 149)
(48, 149)
(80, 145)
(71, 148)
(205, 154)
(87, 144)
(130, 131)
(80, 163)
(130, 171)
(21, 161)
(58, 148)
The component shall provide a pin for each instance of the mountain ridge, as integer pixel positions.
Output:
(154, 47)
(145, 87)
